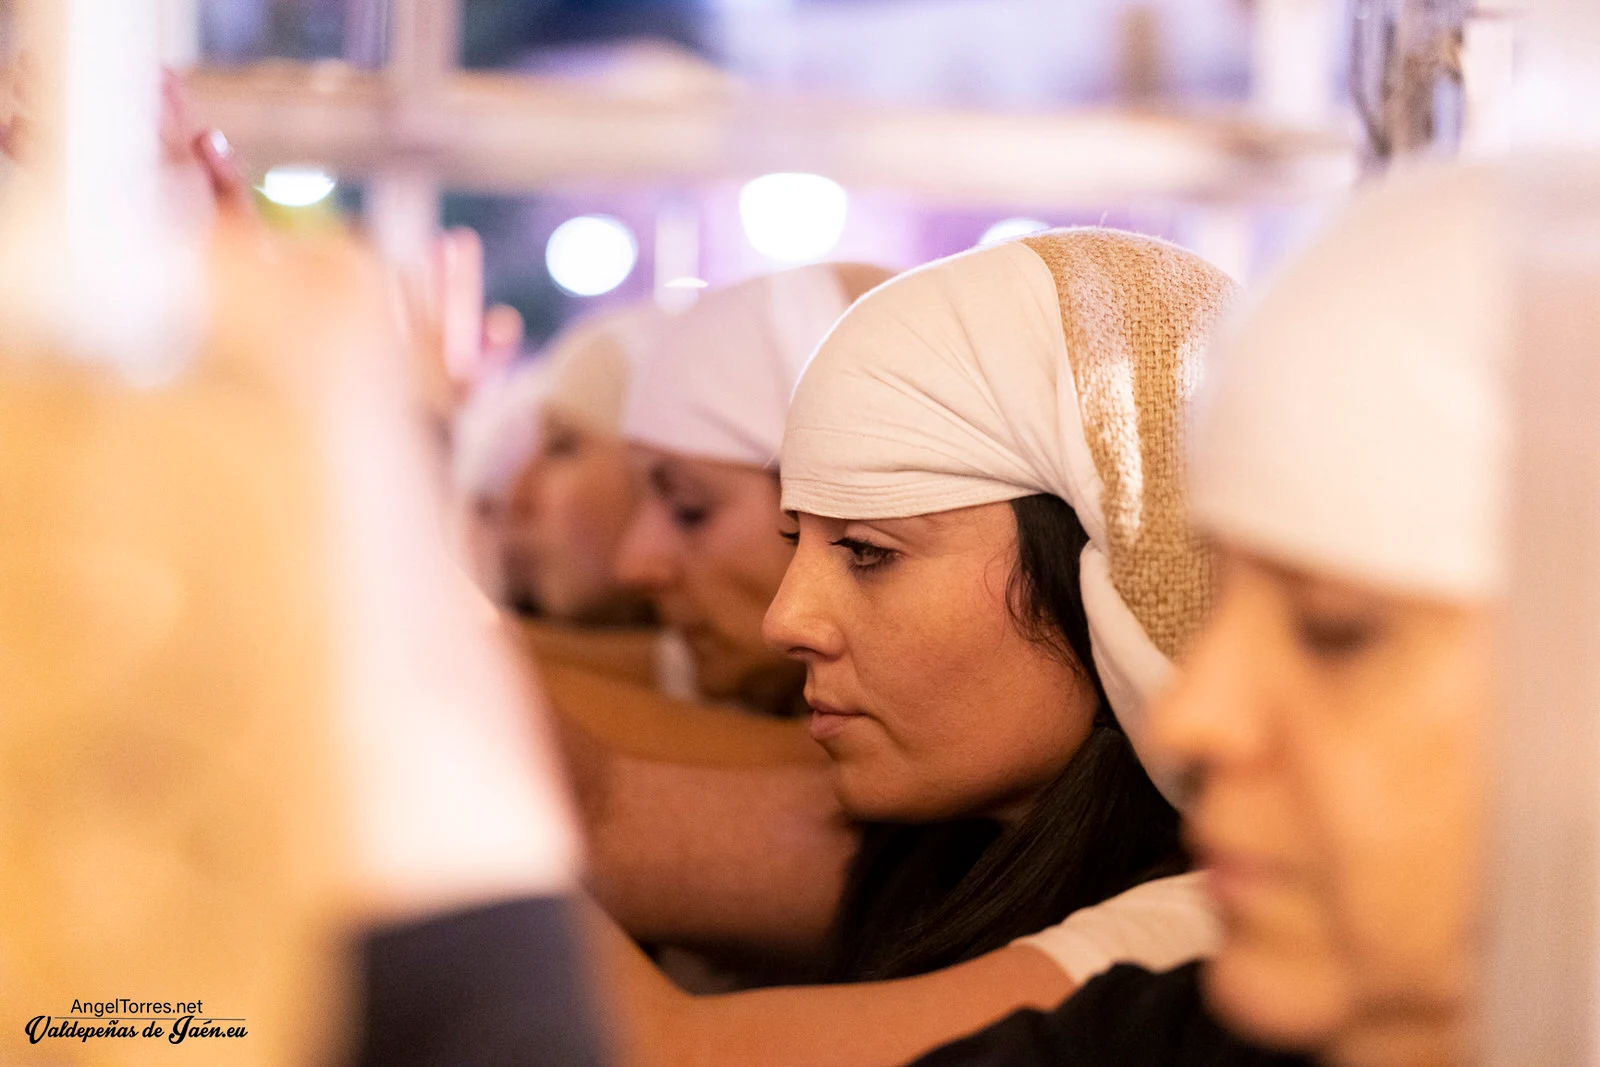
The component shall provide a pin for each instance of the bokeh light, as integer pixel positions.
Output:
(1007, 229)
(793, 218)
(297, 186)
(591, 254)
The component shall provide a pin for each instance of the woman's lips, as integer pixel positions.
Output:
(828, 721)
(1234, 877)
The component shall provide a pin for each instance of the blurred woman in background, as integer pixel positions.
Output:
(704, 423)
(541, 459)
(1349, 466)
(568, 505)
(712, 825)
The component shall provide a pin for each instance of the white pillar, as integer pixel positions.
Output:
(403, 201)
(180, 33)
(677, 265)
(402, 210)
(1558, 82)
(1541, 1000)
(1488, 81)
(1291, 66)
(92, 268)
(1542, 990)
(424, 43)
(366, 33)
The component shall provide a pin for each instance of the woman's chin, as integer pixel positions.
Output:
(1296, 1005)
(868, 796)
(861, 797)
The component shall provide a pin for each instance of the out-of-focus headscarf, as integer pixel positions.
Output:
(592, 364)
(1061, 364)
(497, 430)
(714, 381)
(583, 373)
(1354, 421)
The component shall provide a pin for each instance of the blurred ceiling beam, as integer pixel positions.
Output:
(515, 132)
(424, 41)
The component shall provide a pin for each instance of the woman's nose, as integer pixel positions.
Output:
(522, 502)
(1208, 715)
(645, 558)
(797, 623)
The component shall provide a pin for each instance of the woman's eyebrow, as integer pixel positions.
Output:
(662, 478)
(913, 528)
(905, 522)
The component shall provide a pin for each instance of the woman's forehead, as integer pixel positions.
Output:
(668, 469)
(560, 418)
(978, 520)
(1306, 581)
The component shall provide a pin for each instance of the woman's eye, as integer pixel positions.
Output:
(1336, 637)
(690, 518)
(561, 445)
(791, 536)
(864, 555)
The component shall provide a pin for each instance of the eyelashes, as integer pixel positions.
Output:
(690, 518)
(864, 555)
(1336, 637)
(561, 445)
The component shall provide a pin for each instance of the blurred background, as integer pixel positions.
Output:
(610, 149)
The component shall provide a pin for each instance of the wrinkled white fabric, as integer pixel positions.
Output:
(1354, 420)
(496, 431)
(584, 373)
(714, 381)
(591, 364)
(1158, 925)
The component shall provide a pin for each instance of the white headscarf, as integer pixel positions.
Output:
(591, 365)
(714, 381)
(497, 430)
(583, 372)
(1354, 420)
(1056, 364)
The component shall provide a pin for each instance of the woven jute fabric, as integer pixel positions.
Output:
(1136, 313)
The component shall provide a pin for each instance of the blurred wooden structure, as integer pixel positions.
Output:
(418, 124)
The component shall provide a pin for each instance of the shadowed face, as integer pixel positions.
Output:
(1337, 732)
(703, 545)
(565, 516)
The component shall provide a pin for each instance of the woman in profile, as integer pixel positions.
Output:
(982, 481)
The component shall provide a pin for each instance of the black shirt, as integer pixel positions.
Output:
(502, 985)
(1127, 1017)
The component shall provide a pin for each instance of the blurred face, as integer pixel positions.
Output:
(564, 519)
(924, 691)
(703, 545)
(1337, 732)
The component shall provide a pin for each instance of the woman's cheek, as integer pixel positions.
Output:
(876, 778)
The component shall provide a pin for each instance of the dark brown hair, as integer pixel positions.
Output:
(922, 897)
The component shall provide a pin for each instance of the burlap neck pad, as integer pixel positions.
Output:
(1136, 314)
